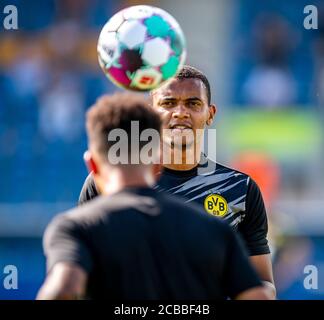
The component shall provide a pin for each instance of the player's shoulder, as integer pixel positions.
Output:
(211, 167)
(89, 183)
(222, 168)
(87, 214)
(104, 206)
(225, 168)
(89, 190)
(251, 185)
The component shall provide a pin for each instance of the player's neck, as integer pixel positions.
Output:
(119, 179)
(180, 159)
(180, 167)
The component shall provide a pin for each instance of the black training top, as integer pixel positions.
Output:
(140, 244)
(219, 191)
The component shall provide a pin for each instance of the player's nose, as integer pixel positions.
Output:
(180, 111)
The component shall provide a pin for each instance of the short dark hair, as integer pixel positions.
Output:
(189, 72)
(116, 112)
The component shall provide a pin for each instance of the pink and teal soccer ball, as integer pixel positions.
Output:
(140, 47)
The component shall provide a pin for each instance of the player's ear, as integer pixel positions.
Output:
(90, 163)
(212, 110)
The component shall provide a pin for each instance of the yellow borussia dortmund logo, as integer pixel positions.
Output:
(215, 205)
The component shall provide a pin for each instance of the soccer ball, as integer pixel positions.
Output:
(140, 47)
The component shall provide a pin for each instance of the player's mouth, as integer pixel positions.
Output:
(180, 128)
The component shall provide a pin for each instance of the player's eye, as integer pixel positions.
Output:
(194, 104)
(167, 103)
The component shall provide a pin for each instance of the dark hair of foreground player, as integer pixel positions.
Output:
(116, 112)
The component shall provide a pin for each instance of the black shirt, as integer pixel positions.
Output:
(220, 191)
(140, 244)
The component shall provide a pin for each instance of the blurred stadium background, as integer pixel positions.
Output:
(267, 76)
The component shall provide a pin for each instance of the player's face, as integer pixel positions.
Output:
(183, 105)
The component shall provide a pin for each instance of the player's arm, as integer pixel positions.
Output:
(66, 281)
(263, 266)
(89, 190)
(240, 278)
(258, 293)
(68, 260)
(254, 230)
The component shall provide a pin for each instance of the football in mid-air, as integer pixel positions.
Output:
(140, 47)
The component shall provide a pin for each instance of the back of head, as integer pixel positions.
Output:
(112, 118)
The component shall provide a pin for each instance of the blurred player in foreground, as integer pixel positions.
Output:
(133, 242)
(184, 103)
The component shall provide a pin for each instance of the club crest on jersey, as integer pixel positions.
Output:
(216, 205)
